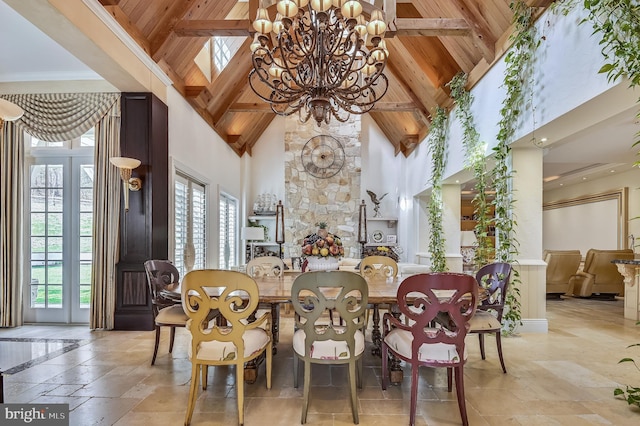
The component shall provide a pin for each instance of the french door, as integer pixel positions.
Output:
(59, 223)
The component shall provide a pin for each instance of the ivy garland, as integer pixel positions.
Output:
(437, 148)
(618, 23)
(474, 161)
(518, 70)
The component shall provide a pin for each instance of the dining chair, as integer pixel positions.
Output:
(421, 298)
(236, 340)
(494, 278)
(313, 294)
(163, 275)
(265, 266)
(268, 267)
(377, 267)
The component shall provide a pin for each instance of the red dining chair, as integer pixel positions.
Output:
(425, 342)
(494, 278)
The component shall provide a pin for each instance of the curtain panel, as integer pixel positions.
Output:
(59, 117)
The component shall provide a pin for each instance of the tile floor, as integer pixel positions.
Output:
(565, 377)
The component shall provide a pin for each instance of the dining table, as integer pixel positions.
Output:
(276, 291)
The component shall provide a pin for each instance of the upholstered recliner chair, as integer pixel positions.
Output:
(599, 276)
(561, 266)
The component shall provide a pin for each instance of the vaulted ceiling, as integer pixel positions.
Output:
(429, 42)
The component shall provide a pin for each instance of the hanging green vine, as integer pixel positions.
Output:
(437, 148)
(516, 79)
(474, 161)
(618, 23)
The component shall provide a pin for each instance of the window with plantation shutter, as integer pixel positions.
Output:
(190, 224)
(228, 231)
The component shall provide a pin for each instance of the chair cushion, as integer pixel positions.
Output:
(483, 320)
(172, 315)
(328, 349)
(438, 353)
(255, 340)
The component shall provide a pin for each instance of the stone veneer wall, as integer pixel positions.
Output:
(333, 200)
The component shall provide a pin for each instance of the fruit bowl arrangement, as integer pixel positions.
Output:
(322, 244)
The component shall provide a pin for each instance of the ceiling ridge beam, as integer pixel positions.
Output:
(484, 39)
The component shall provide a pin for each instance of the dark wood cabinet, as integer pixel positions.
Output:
(144, 228)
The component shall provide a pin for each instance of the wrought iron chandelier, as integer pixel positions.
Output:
(317, 63)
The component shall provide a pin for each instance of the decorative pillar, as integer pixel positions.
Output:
(451, 225)
(527, 210)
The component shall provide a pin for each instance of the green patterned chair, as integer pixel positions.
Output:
(315, 341)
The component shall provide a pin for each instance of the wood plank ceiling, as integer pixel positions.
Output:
(429, 41)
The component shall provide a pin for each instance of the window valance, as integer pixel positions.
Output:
(61, 116)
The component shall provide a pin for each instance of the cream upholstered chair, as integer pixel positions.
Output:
(420, 344)
(235, 296)
(494, 278)
(265, 266)
(376, 267)
(561, 266)
(599, 276)
(268, 267)
(316, 342)
(163, 275)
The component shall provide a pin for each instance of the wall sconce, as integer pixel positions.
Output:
(126, 165)
(9, 112)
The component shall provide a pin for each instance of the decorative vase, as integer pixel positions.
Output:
(322, 263)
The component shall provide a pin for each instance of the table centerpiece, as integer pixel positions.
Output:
(322, 249)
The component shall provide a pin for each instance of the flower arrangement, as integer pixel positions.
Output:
(322, 243)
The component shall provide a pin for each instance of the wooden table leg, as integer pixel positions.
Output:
(395, 371)
(376, 336)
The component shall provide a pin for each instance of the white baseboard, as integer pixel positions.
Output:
(534, 325)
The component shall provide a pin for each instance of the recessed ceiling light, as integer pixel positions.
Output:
(543, 140)
(613, 171)
(457, 181)
(584, 178)
(562, 184)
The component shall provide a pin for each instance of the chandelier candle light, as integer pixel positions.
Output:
(313, 59)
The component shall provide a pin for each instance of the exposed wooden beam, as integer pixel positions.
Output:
(210, 28)
(193, 91)
(229, 84)
(250, 107)
(483, 39)
(395, 106)
(432, 27)
(106, 3)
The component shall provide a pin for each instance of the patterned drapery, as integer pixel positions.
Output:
(59, 117)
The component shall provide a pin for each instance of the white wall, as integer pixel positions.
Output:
(197, 150)
(629, 178)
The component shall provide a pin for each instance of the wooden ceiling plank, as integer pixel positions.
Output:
(106, 3)
(162, 37)
(432, 27)
(210, 28)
